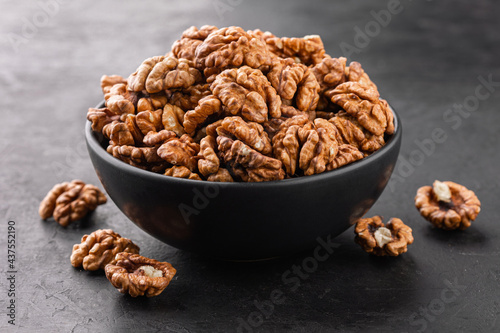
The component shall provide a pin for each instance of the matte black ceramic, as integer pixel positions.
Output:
(245, 221)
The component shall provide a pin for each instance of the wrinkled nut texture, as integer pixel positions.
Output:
(247, 163)
(172, 73)
(330, 72)
(209, 162)
(354, 134)
(181, 172)
(294, 81)
(458, 213)
(130, 275)
(108, 81)
(250, 133)
(99, 249)
(172, 119)
(383, 240)
(121, 101)
(264, 100)
(190, 39)
(188, 98)
(69, 202)
(207, 107)
(137, 80)
(364, 104)
(222, 175)
(308, 50)
(180, 151)
(347, 154)
(247, 92)
(231, 47)
(152, 102)
(144, 158)
(101, 117)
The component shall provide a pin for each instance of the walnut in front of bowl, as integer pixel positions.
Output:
(138, 275)
(99, 249)
(376, 238)
(69, 202)
(448, 205)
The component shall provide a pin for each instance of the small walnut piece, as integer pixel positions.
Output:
(138, 275)
(383, 240)
(442, 191)
(448, 205)
(99, 249)
(69, 202)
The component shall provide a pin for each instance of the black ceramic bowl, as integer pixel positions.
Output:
(245, 221)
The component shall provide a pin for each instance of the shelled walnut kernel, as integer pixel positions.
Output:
(448, 205)
(376, 238)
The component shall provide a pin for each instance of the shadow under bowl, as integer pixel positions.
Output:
(245, 221)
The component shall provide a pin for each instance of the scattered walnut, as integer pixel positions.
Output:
(231, 47)
(69, 202)
(99, 249)
(308, 50)
(181, 172)
(448, 205)
(247, 92)
(138, 275)
(248, 164)
(383, 240)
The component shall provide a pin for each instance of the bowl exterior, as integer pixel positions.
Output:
(245, 221)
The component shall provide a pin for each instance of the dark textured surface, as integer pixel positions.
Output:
(426, 60)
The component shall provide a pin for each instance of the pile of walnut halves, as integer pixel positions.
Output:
(234, 105)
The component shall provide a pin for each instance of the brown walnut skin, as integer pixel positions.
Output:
(247, 92)
(230, 47)
(276, 99)
(69, 202)
(365, 105)
(99, 249)
(127, 277)
(457, 214)
(401, 236)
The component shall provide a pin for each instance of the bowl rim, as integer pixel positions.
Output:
(93, 143)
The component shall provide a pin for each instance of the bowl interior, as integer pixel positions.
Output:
(245, 221)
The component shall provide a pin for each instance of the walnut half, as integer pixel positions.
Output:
(99, 249)
(383, 240)
(448, 205)
(138, 275)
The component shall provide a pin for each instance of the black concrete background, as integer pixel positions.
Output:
(426, 60)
